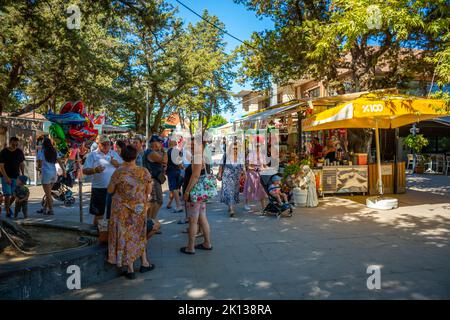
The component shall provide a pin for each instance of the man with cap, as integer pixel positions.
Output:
(101, 164)
(155, 160)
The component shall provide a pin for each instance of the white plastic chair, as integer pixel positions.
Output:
(447, 164)
(410, 163)
(440, 163)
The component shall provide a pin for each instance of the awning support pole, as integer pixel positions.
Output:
(377, 143)
(299, 133)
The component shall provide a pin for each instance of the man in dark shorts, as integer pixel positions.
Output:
(11, 166)
(101, 164)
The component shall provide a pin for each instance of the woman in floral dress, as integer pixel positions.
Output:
(131, 187)
(230, 173)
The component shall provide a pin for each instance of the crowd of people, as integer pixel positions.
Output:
(126, 187)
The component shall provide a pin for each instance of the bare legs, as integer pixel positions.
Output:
(8, 201)
(197, 217)
(48, 205)
(153, 210)
(174, 195)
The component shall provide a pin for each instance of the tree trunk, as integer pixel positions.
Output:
(158, 118)
(14, 78)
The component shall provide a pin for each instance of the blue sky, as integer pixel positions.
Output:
(239, 22)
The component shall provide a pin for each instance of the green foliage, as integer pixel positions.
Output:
(291, 169)
(123, 51)
(305, 162)
(323, 39)
(216, 121)
(416, 142)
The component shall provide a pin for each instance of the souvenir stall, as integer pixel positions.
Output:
(280, 121)
(338, 169)
(369, 111)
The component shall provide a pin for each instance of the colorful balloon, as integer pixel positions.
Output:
(66, 118)
(57, 134)
(71, 126)
(66, 107)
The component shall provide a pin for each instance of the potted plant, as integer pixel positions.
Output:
(416, 143)
(292, 169)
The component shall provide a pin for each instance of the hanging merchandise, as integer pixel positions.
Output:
(71, 127)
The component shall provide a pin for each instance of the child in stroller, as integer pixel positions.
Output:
(278, 201)
(61, 190)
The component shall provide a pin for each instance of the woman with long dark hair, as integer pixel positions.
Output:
(196, 211)
(47, 159)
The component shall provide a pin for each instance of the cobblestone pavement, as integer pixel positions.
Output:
(319, 253)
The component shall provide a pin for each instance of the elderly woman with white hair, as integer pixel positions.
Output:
(309, 183)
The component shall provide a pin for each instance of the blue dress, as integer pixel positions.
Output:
(230, 183)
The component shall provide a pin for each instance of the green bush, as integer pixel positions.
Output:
(291, 169)
(416, 142)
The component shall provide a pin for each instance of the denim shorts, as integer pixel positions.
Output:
(174, 178)
(8, 189)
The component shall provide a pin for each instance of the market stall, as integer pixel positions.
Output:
(375, 111)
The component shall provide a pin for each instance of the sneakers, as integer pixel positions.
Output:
(247, 208)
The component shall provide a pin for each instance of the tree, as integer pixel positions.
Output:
(323, 39)
(349, 45)
(217, 121)
(210, 91)
(124, 49)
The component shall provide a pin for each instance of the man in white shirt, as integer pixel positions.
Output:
(101, 164)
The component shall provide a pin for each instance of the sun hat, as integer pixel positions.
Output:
(276, 178)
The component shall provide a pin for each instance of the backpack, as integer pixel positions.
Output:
(159, 175)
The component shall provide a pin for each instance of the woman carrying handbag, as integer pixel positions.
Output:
(196, 181)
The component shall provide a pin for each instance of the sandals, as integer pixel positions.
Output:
(144, 269)
(201, 247)
(184, 250)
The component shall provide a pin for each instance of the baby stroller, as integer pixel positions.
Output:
(273, 207)
(61, 191)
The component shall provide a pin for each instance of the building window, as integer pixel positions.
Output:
(312, 93)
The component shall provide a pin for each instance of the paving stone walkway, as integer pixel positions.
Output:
(319, 253)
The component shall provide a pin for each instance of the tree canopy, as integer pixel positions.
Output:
(324, 39)
(123, 52)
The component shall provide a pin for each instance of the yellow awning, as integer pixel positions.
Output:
(388, 111)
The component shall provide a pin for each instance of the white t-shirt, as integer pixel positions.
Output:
(97, 158)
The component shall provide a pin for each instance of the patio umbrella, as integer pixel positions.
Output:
(377, 111)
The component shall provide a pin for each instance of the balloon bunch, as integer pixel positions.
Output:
(72, 126)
